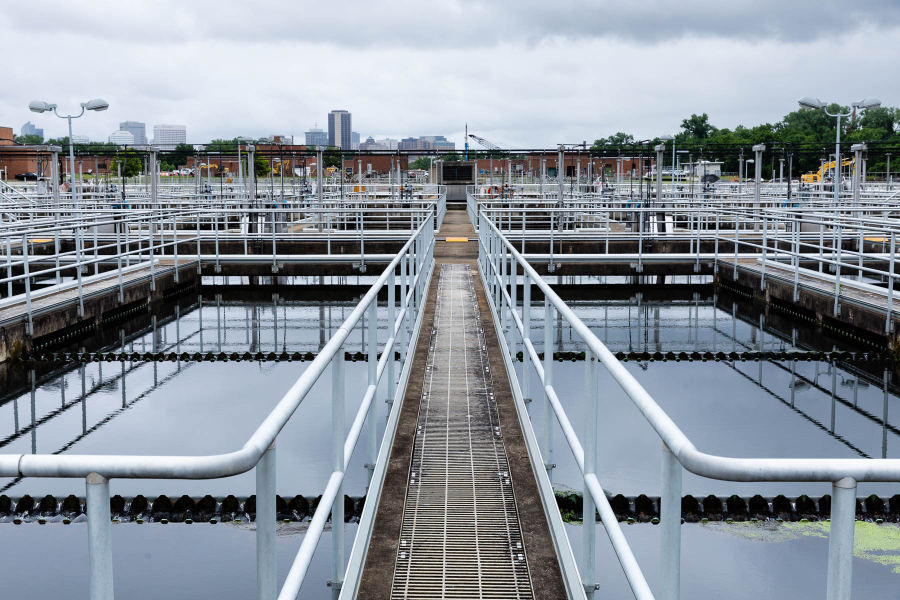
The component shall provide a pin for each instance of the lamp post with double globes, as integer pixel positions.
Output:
(816, 104)
(96, 104)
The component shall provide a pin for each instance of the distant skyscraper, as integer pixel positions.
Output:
(29, 129)
(121, 138)
(137, 129)
(166, 137)
(354, 141)
(80, 139)
(340, 129)
(316, 137)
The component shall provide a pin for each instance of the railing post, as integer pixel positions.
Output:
(840, 539)
(392, 318)
(670, 527)
(175, 244)
(266, 560)
(372, 419)
(198, 241)
(837, 271)
(28, 287)
(99, 537)
(765, 243)
(9, 285)
(589, 515)
(526, 335)
(890, 290)
(79, 256)
(218, 267)
(337, 464)
(501, 297)
(513, 284)
(150, 236)
(403, 305)
(737, 220)
(547, 450)
(716, 251)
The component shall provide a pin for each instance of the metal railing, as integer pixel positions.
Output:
(856, 244)
(500, 264)
(414, 262)
(123, 241)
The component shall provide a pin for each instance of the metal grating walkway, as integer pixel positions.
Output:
(460, 536)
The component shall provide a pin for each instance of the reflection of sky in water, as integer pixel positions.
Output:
(734, 409)
(160, 561)
(175, 408)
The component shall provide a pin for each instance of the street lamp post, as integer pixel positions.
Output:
(815, 103)
(95, 104)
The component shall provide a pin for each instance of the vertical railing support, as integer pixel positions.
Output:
(526, 335)
(840, 538)
(372, 419)
(837, 271)
(589, 515)
(266, 560)
(890, 289)
(28, 287)
(337, 464)
(392, 318)
(547, 450)
(670, 527)
(99, 537)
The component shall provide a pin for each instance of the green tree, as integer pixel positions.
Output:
(221, 145)
(172, 160)
(130, 161)
(616, 139)
(331, 160)
(261, 165)
(421, 163)
(698, 126)
(30, 139)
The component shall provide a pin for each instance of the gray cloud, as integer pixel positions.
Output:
(523, 73)
(449, 24)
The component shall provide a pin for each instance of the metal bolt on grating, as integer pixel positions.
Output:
(460, 536)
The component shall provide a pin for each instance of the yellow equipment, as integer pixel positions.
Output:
(827, 167)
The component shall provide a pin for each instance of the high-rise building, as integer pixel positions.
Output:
(29, 129)
(166, 137)
(137, 129)
(316, 137)
(354, 141)
(388, 143)
(80, 139)
(121, 138)
(340, 129)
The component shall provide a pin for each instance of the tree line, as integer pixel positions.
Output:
(804, 136)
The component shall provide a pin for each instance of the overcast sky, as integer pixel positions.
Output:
(521, 73)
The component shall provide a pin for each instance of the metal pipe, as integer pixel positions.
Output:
(266, 558)
(99, 520)
(670, 527)
(840, 539)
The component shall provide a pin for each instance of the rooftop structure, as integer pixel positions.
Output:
(316, 137)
